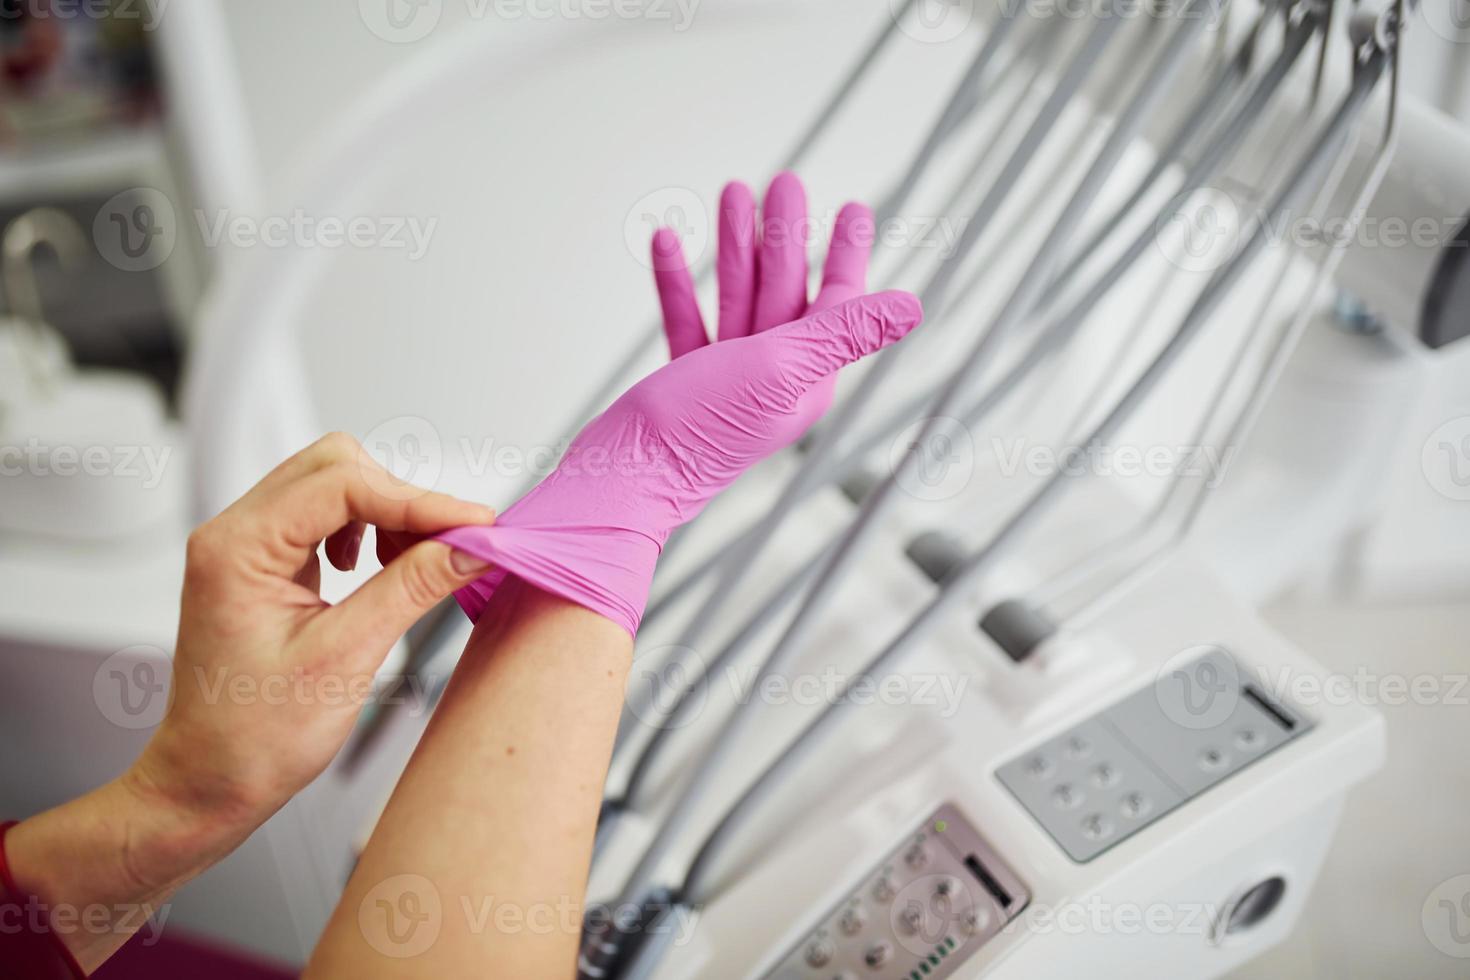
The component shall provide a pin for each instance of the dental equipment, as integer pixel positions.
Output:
(692, 891)
(1027, 292)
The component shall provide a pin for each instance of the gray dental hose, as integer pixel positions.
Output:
(1053, 338)
(815, 464)
(1026, 293)
(957, 585)
(1206, 107)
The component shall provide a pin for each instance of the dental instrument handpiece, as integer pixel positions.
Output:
(909, 412)
(1058, 333)
(815, 463)
(959, 583)
(1024, 297)
(1055, 336)
(1286, 342)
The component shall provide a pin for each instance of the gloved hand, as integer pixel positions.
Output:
(592, 531)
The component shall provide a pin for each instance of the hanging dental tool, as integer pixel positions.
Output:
(1028, 291)
(814, 466)
(1370, 61)
(1060, 331)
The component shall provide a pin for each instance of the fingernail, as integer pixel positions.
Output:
(465, 563)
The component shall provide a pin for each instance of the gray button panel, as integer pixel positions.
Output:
(936, 899)
(1114, 774)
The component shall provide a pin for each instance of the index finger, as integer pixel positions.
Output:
(350, 487)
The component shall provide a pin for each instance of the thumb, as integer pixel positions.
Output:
(383, 608)
(818, 346)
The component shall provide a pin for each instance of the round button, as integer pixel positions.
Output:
(1105, 775)
(1095, 826)
(819, 953)
(878, 954)
(1213, 760)
(853, 920)
(1066, 797)
(1248, 739)
(975, 920)
(917, 857)
(1135, 805)
(1039, 767)
(884, 891)
(1079, 747)
(910, 919)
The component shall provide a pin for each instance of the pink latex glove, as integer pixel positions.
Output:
(592, 531)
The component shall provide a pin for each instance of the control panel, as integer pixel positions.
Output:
(1102, 781)
(940, 896)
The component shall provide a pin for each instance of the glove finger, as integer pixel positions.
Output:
(736, 265)
(818, 346)
(683, 324)
(845, 274)
(781, 296)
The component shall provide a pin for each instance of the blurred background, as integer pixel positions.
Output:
(229, 227)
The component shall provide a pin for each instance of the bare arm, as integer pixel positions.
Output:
(479, 864)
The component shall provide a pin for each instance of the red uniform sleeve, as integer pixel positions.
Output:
(29, 948)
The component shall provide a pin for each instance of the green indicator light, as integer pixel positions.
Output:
(949, 942)
(933, 960)
(925, 968)
(940, 826)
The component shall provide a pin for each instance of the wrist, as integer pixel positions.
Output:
(177, 826)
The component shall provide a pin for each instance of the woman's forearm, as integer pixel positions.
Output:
(100, 868)
(479, 864)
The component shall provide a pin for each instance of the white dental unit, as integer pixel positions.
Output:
(941, 692)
